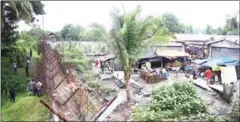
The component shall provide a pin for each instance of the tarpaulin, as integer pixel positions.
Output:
(219, 60)
(228, 74)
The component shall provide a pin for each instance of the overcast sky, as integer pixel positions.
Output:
(196, 13)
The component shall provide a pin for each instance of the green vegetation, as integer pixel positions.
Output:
(236, 111)
(176, 102)
(14, 11)
(25, 108)
(74, 55)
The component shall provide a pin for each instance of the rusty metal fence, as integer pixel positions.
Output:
(70, 101)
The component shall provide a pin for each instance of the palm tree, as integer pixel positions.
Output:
(23, 9)
(131, 37)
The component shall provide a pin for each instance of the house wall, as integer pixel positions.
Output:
(221, 51)
(224, 48)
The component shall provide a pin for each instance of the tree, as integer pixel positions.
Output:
(132, 37)
(14, 11)
(189, 29)
(171, 22)
(36, 32)
(71, 32)
(232, 24)
(209, 30)
(94, 32)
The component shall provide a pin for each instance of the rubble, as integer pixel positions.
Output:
(147, 91)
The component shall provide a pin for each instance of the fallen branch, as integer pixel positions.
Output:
(54, 112)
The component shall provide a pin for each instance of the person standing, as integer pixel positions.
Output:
(39, 86)
(208, 74)
(28, 62)
(12, 94)
(15, 67)
(30, 52)
(165, 74)
(31, 87)
(10, 60)
(27, 73)
(28, 56)
(97, 63)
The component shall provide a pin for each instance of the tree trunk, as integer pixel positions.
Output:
(128, 87)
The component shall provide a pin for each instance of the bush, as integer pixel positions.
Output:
(93, 84)
(88, 75)
(108, 90)
(18, 82)
(179, 99)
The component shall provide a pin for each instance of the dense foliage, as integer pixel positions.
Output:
(171, 102)
(14, 11)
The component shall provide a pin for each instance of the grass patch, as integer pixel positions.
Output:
(25, 108)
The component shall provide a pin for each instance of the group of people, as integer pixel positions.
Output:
(34, 87)
(15, 67)
(162, 72)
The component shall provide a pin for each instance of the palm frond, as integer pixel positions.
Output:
(12, 4)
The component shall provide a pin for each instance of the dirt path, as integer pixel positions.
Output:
(216, 105)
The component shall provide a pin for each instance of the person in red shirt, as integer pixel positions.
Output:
(97, 62)
(208, 74)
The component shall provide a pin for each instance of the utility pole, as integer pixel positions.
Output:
(43, 27)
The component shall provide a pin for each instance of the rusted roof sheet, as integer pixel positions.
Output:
(234, 39)
(106, 57)
(171, 53)
(191, 37)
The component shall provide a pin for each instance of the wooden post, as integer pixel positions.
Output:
(113, 66)
(161, 63)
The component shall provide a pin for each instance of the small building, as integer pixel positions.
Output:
(160, 55)
(227, 46)
(51, 37)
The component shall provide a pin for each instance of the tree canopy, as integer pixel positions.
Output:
(171, 22)
(14, 11)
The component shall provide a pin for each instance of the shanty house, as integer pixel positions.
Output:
(228, 46)
(159, 55)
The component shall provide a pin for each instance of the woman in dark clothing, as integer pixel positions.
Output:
(12, 94)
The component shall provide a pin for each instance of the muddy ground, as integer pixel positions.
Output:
(216, 105)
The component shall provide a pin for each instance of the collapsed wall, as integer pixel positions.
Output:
(69, 99)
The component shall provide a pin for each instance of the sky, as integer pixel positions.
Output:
(196, 13)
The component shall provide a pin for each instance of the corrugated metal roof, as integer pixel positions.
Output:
(212, 62)
(191, 37)
(231, 38)
(150, 53)
(171, 43)
(171, 53)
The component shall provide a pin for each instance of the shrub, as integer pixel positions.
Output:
(18, 82)
(107, 90)
(93, 84)
(179, 99)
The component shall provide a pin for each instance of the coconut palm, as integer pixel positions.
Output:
(131, 36)
(23, 9)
